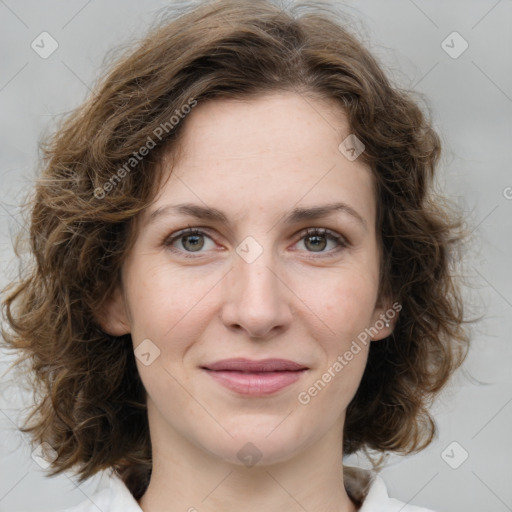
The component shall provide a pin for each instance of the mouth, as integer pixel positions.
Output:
(255, 378)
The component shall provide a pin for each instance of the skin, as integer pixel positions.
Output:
(255, 160)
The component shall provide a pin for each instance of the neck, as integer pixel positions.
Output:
(187, 478)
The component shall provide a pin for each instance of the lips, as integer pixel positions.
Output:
(250, 366)
(255, 378)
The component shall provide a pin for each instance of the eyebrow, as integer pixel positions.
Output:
(293, 217)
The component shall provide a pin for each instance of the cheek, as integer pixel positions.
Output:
(165, 301)
(169, 308)
(343, 301)
(351, 306)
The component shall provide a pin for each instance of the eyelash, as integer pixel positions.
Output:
(330, 235)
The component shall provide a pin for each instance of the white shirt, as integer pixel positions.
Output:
(361, 484)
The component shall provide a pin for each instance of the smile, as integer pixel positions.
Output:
(255, 378)
(256, 384)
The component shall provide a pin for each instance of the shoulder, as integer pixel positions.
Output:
(111, 496)
(368, 487)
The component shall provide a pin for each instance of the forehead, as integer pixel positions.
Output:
(285, 123)
(266, 153)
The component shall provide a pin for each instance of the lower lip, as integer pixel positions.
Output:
(255, 384)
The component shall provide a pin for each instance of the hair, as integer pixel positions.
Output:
(90, 401)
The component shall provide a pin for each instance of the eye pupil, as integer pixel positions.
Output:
(317, 239)
(197, 244)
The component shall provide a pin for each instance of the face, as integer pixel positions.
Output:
(251, 269)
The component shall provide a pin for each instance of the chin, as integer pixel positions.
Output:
(263, 444)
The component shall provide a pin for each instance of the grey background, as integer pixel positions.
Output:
(470, 98)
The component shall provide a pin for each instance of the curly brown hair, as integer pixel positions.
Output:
(91, 402)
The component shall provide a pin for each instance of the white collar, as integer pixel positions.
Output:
(368, 487)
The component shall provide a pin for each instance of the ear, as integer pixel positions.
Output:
(384, 319)
(113, 316)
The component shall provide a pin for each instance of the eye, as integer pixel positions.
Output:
(317, 239)
(190, 240)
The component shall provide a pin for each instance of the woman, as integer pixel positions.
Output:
(241, 274)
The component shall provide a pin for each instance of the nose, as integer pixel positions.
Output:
(256, 298)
